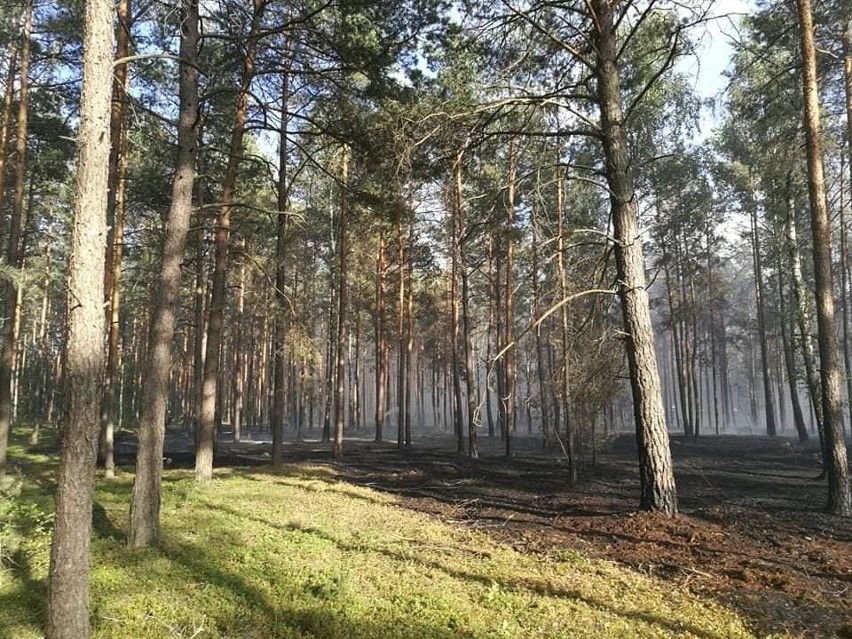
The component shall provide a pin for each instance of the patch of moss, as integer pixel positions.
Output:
(297, 554)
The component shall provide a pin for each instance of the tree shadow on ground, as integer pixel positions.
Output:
(541, 588)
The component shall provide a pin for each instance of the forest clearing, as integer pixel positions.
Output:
(423, 543)
(411, 318)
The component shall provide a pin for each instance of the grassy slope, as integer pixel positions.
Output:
(297, 554)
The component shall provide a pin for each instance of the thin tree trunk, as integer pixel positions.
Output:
(790, 358)
(657, 484)
(570, 437)
(279, 330)
(768, 399)
(803, 312)
(115, 241)
(381, 348)
(216, 318)
(145, 499)
(509, 321)
(68, 576)
(458, 414)
(8, 96)
(467, 346)
(837, 467)
(343, 246)
(15, 249)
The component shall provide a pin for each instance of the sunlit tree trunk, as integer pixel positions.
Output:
(145, 499)
(68, 575)
(15, 248)
(837, 467)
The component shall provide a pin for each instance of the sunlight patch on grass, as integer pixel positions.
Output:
(296, 554)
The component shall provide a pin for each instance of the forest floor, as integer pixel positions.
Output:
(751, 533)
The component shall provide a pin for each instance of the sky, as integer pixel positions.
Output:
(714, 53)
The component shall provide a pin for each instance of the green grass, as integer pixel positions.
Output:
(297, 554)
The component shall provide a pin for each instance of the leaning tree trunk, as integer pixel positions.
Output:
(657, 484)
(145, 500)
(837, 466)
(15, 252)
(216, 317)
(68, 576)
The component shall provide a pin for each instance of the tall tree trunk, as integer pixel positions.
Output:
(402, 362)
(802, 310)
(790, 357)
(543, 383)
(8, 96)
(68, 576)
(381, 347)
(115, 223)
(847, 82)
(570, 437)
(508, 297)
(145, 499)
(837, 467)
(768, 399)
(216, 318)
(657, 484)
(279, 337)
(15, 249)
(343, 247)
(467, 345)
(455, 266)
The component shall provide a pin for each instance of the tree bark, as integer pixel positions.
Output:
(145, 499)
(68, 576)
(837, 467)
(657, 484)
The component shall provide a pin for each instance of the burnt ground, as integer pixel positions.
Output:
(751, 534)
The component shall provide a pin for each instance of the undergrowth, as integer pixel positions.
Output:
(298, 554)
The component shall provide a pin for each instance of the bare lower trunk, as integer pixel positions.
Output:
(68, 577)
(145, 500)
